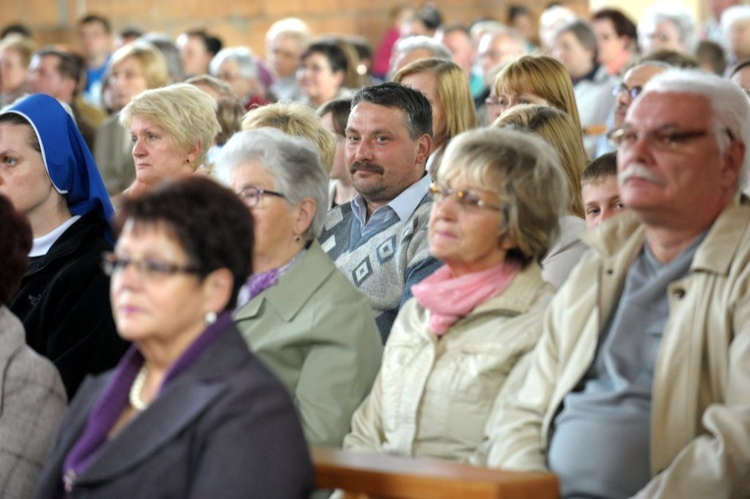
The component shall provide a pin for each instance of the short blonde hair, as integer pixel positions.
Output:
(149, 58)
(296, 119)
(543, 76)
(454, 94)
(557, 129)
(186, 113)
(524, 172)
(24, 46)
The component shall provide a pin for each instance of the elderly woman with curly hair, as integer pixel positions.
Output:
(297, 311)
(457, 347)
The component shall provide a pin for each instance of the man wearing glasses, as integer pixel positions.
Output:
(627, 90)
(379, 239)
(639, 385)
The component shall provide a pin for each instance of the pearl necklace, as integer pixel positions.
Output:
(135, 390)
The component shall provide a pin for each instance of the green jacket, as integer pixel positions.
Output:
(317, 333)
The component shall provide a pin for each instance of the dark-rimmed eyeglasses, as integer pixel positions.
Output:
(663, 139)
(251, 195)
(621, 88)
(466, 199)
(148, 269)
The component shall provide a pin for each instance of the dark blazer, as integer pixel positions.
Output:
(224, 428)
(64, 305)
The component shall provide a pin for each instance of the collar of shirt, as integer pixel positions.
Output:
(401, 206)
(43, 243)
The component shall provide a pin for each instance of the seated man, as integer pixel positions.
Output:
(601, 196)
(379, 240)
(638, 386)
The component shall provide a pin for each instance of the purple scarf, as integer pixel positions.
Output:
(257, 283)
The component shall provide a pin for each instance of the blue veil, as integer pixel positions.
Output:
(68, 160)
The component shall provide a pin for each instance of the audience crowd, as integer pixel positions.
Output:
(480, 242)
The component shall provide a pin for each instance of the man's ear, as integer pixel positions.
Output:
(734, 158)
(424, 148)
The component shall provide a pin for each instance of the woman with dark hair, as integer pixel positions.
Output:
(322, 72)
(616, 40)
(189, 411)
(334, 115)
(48, 173)
(32, 396)
(576, 47)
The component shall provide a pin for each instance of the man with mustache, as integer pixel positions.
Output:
(379, 239)
(639, 385)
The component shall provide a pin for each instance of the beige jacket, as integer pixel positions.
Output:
(700, 426)
(432, 396)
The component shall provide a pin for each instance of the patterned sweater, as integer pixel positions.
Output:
(383, 264)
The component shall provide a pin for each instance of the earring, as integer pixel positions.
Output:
(210, 318)
(297, 239)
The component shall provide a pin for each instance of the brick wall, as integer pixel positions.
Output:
(238, 22)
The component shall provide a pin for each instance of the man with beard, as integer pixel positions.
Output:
(379, 239)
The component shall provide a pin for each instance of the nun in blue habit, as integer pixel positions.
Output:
(49, 174)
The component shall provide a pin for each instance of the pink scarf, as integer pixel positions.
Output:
(449, 298)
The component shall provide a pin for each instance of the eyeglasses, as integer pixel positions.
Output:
(492, 101)
(662, 139)
(251, 195)
(148, 269)
(466, 199)
(621, 88)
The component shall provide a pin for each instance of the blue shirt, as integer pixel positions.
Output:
(402, 206)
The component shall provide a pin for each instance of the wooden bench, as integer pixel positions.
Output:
(363, 475)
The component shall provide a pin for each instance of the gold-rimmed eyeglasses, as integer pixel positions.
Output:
(466, 199)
